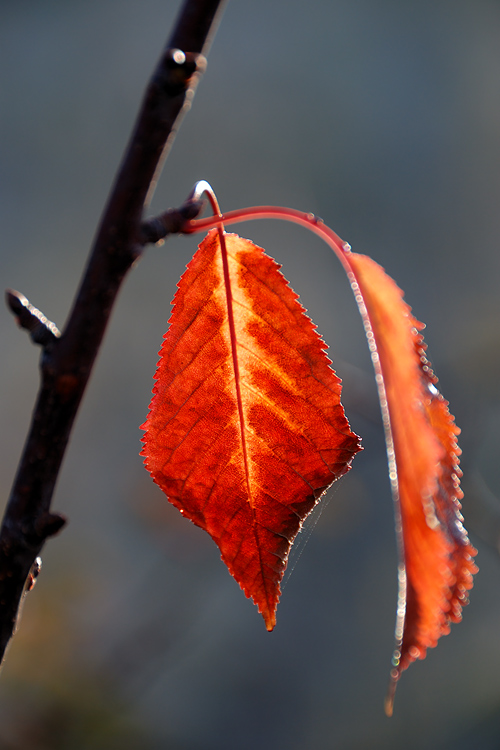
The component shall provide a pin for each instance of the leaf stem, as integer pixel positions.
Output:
(308, 220)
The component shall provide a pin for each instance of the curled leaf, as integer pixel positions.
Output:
(246, 429)
(436, 566)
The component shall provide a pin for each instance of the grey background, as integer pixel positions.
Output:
(383, 118)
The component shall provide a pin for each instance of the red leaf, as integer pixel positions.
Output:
(246, 429)
(436, 567)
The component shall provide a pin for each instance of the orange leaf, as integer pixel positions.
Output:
(436, 556)
(246, 429)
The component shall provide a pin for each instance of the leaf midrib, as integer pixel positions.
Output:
(234, 355)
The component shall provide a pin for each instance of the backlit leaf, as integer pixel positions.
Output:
(246, 429)
(437, 564)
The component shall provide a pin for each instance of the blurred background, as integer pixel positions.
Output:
(384, 119)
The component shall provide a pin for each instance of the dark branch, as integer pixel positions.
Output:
(67, 360)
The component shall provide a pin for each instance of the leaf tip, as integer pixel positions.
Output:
(269, 618)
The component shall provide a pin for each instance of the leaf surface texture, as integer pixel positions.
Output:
(246, 429)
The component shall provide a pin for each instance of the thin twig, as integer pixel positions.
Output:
(67, 360)
(42, 330)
